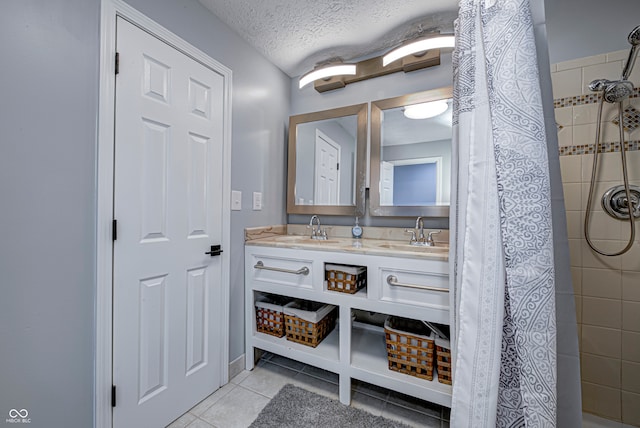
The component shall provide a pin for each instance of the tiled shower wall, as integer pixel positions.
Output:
(607, 289)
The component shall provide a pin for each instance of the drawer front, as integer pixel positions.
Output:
(429, 289)
(292, 271)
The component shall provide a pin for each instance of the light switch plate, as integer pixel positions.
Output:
(257, 201)
(236, 200)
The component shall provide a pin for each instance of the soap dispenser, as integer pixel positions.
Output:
(356, 230)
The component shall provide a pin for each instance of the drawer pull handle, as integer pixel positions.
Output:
(302, 271)
(393, 280)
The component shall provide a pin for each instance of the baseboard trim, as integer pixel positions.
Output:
(236, 367)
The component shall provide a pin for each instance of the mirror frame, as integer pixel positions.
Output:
(360, 110)
(376, 134)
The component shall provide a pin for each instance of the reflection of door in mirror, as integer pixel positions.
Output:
(325, 150)
(326, 176)
(327, 161)
(386, 183)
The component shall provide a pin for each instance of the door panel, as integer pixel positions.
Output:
(168, 203)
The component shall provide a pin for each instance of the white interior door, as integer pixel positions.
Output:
(168, 205)
(327, 175)
(386, 183)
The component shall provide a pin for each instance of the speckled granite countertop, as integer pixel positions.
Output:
(380, 247)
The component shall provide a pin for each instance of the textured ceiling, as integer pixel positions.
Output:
(297, 34)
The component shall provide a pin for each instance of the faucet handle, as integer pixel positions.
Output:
(430, 236)
(323, 232)
(413, 235)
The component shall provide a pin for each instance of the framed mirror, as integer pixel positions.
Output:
(411, 155)
(327, 162)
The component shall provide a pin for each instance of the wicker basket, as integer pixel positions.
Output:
(308, 323)
(443, 360)
(345, 279)
(410, 347)
(270, 316)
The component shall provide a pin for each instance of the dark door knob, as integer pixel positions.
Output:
(215, 251)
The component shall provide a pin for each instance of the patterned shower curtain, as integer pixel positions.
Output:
(502, 224)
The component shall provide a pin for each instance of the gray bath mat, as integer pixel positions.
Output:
(295, 407)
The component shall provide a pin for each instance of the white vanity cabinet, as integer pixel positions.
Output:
(402, 285)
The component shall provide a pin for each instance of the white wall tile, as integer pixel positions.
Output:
(601, 313)
(584, 134)
(567, 83)
(631, 346)
(572, 196)
(633, 163)
(574, 224)
(631, 259)
(609, 168)
(603, 227)
(565, 136)
(575, 252)
(618, 55)
(576, 277)
(601, 400)
(601, 341)
(600, 370)
(631, 286)
(584, 114)
(631, 376)
(564, 116)
(591, 259)
(604, 283)
(630, 409)
(631, 316)
(571, 169)
(582, 62)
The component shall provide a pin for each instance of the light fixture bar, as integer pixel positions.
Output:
(417, 46)
(330, 71)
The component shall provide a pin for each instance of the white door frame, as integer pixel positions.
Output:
(105, 175)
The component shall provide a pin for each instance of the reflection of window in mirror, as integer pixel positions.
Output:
(411, 154)
(415, 157)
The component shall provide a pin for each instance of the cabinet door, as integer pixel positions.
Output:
(427, 289)
(281, 270)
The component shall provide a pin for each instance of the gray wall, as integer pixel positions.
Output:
(49, 87)
(579, 28)
(50, 54)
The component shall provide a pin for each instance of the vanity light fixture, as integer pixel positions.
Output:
(415, 55)
(327, 72)
(416, 46)
(426, 110)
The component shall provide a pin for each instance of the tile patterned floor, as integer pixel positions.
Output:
(238, 403)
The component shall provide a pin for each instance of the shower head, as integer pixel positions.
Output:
(617, 91)
(634, 36)
(634, 39)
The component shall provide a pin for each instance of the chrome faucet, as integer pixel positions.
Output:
(420, 239)
(316, 231)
